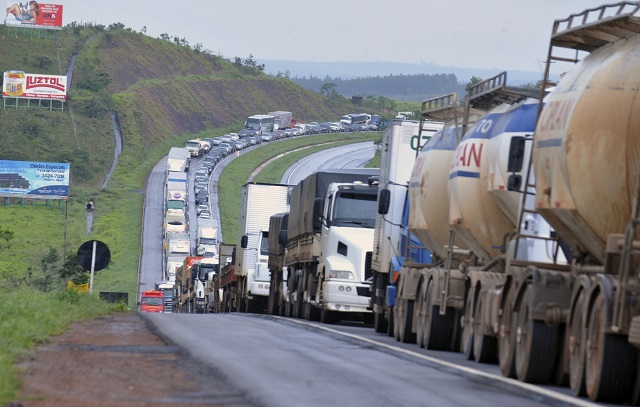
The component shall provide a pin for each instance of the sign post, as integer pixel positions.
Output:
(93, 255)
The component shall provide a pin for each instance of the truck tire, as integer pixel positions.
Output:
(311, 313)
(225, 301)
(297, 305)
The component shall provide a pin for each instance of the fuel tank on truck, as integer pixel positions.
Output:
(428, 192)
(587, 148)
(483, 212)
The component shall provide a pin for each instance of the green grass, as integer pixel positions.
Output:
(28, 318)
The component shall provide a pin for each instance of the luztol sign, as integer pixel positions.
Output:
(17, 84)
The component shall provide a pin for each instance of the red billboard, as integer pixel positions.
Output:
(33, 14)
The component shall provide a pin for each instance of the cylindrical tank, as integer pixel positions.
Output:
(483, 212)
(428, 192)
(587, 148)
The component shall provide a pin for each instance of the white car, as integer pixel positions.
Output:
(202, 208)
(205, 214)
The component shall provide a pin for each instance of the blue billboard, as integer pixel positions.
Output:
(39, 180)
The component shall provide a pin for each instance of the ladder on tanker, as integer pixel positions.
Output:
(572, 38)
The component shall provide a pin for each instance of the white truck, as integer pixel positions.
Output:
(400, 144)
(178, 159)
(202, 298)
(177, 191)
(177, 244)
(194, 147)
(248, 290)
(207, 237)
(282, 119)
(175, 176)
(172, 264)
(329, 244)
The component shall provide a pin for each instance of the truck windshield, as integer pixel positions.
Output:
(173, 204)
(152, 300)
(204, 240)
(193, 144)
(355, 208)
(207, 268)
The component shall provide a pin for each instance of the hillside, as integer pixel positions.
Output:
(162, 92)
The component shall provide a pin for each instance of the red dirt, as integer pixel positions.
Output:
(119, 361)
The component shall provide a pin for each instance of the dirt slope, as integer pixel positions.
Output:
(119, 361)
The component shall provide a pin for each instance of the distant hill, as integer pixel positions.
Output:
(351, 75)
(351, 70)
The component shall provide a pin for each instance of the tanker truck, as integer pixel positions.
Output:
(462, 210)
(582, 320)
(400, 143)
(329, 245)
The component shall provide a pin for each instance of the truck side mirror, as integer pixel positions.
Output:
(516, 154)
(282, 238)
(318, 207)
(384, 201)
(244, 241)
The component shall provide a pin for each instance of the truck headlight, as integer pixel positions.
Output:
(342, 274)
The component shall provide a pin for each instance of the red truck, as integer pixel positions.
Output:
(152, 301)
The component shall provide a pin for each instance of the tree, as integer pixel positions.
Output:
(472, 81)
(49, 268)
(328, 88)
(72, 270)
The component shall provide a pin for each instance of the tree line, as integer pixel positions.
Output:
(411, 88)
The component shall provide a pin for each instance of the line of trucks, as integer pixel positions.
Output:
(503, 227)
(185, 276)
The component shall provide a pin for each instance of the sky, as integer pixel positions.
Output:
(487, 34)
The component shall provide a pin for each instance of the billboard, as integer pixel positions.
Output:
(17, 84)
(33, 14)
(40, 180)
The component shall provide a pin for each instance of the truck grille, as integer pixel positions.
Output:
(368, 273)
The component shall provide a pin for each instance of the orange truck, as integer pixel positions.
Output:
(152, 301)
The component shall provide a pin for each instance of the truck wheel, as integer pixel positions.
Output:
(507, 337)
(390, 322)
(577, 350)
(467, 325)
(297, 305)
(436, 329)
(404, 319)
(310, 312)
(485, 347)
(536, 345)
(609, 364)
(380, 323)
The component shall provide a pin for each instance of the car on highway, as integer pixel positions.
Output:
(205, 214)
(267, 137)
(227, 146)
(202, 207)
(202, 197)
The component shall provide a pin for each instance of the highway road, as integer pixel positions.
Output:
(277, 361)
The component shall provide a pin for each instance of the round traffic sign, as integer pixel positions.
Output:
(85, 254)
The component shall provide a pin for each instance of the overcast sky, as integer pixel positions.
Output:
(503, 34)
